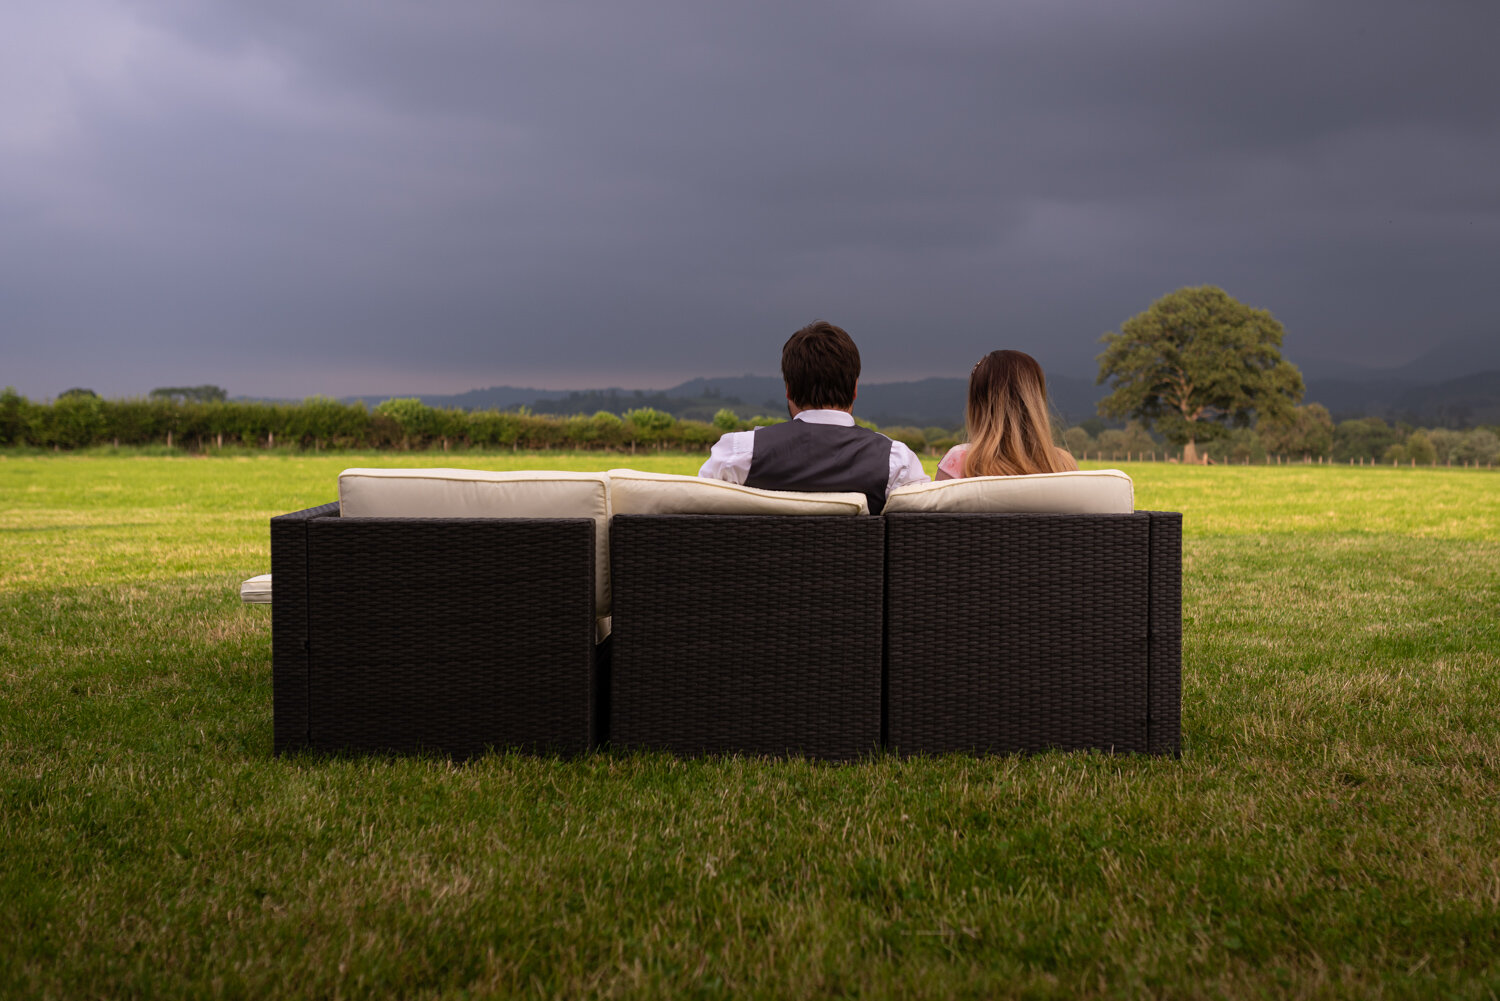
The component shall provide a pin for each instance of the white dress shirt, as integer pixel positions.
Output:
(730, 457)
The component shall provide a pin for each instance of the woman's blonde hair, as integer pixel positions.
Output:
(1010, 432)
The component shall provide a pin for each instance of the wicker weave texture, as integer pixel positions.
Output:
(1017, 632)
(1166, 632)
(449, 635)
(289, 626)
(741, 634)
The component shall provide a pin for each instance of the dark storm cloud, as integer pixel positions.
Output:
(376, 196)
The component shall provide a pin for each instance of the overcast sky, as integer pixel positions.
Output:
(287, 197)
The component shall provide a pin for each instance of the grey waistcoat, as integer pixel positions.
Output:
(800, 455)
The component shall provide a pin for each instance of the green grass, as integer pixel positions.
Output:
(1332, 830)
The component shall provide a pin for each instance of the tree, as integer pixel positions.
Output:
(1309, 432)
(1419, 449)
(647, 425)
(14, 410)
(1362, 438)
(76, 419)
(1078, 442)
(196, 394)
(416, 419)
(1133, 440)
(1196, 363)
(1480, 446)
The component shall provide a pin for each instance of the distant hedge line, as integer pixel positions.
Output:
(82, 419)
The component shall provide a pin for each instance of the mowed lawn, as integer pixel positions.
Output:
(1331, 830)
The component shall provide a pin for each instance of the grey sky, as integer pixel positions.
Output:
(374, 196)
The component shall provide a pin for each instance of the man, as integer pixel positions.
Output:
(820, 448)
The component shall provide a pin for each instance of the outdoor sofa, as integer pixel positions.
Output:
(455, 611)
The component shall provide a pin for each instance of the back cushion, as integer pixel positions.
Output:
(476, 493)
(1094, 491)
(635, 492)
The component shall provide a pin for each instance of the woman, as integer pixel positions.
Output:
(1010, 433)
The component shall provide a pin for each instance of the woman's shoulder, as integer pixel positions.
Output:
(1064, 459)
(953, 462)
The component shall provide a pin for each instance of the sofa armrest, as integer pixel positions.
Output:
(1165, 677)
(1021, 632)
(289, 625)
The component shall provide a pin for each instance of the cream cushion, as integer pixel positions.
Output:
(477, 493)
(256, 590)
(1093, 491)
(635, 492)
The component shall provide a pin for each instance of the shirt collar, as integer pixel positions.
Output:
(843, 417)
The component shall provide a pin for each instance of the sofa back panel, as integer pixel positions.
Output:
(1018, 632)
(750, 635)
(478, 493)
(1094, 491)
(450, 636)
(636, 492)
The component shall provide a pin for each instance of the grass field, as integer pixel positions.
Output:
(1332, 829)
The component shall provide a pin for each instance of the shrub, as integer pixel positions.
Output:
(416, 419)
(14, 417)
(74, 420)
(1362, 438)
(1480, 446)
(1077, 441)
(912, 438)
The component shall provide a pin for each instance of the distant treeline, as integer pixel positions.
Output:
(1311, 435)
(81, 419)
(198, 422)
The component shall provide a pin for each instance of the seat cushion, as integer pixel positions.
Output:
(256, 590)
(477, 493)
(635, 492)
(1094, 491)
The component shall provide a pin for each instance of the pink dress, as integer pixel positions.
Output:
(953, 462)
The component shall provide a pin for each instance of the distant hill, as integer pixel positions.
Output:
(935, 402)
(1462, 402)
(1455, 384)
(694, 407)
(1449, 359)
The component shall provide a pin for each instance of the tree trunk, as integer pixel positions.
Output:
(1190, 453)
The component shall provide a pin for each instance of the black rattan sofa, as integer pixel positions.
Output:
(451, 635)
(825, 636)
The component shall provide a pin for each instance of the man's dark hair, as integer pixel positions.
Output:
(820, 365)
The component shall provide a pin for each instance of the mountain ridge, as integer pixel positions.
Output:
(1454, 383)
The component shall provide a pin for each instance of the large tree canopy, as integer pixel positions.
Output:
(1196, 363)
